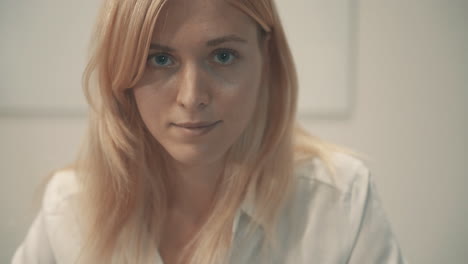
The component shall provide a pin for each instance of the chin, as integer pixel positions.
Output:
(193, 156)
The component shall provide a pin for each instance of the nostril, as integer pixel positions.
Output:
(202, 105)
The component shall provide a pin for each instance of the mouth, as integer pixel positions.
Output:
(196, 125)
(195, 129)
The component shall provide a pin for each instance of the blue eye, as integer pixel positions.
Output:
(225, 56)
(160, 60)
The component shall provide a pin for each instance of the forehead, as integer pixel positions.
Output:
(192, 20)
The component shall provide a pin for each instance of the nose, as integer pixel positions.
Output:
(193, 93)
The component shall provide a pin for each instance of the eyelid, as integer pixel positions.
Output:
(234, 52)
(158, 53)
(229, 50)
(215, 52)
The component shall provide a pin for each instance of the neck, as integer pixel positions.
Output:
(192, 188)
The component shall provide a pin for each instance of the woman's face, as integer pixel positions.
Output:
(201, 81)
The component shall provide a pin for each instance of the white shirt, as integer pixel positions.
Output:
(326, 222)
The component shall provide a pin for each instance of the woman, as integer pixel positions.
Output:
(193, 154)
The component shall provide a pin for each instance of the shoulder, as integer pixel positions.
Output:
(325, 206)
(61, 215)
(54, 236)
(345, 211)
(343, 193)
(61, 188)
(348, 171)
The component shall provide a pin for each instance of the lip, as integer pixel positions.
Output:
(200, 124)
(192, 129)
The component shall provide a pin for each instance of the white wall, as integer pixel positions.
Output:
(409, 115)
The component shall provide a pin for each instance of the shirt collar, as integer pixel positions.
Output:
(247, 207)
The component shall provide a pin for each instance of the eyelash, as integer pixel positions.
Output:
(216, 52)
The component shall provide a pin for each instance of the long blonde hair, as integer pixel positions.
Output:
(121, 168)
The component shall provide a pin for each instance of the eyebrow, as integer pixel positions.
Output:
(209, 43)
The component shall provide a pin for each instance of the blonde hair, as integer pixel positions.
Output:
(121, 168)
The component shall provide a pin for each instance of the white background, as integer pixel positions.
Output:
(44, 54)
(408, 112)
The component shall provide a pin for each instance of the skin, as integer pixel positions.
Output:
(198, 82)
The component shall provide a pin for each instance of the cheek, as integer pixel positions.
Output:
(152, 107)
(239, 102)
